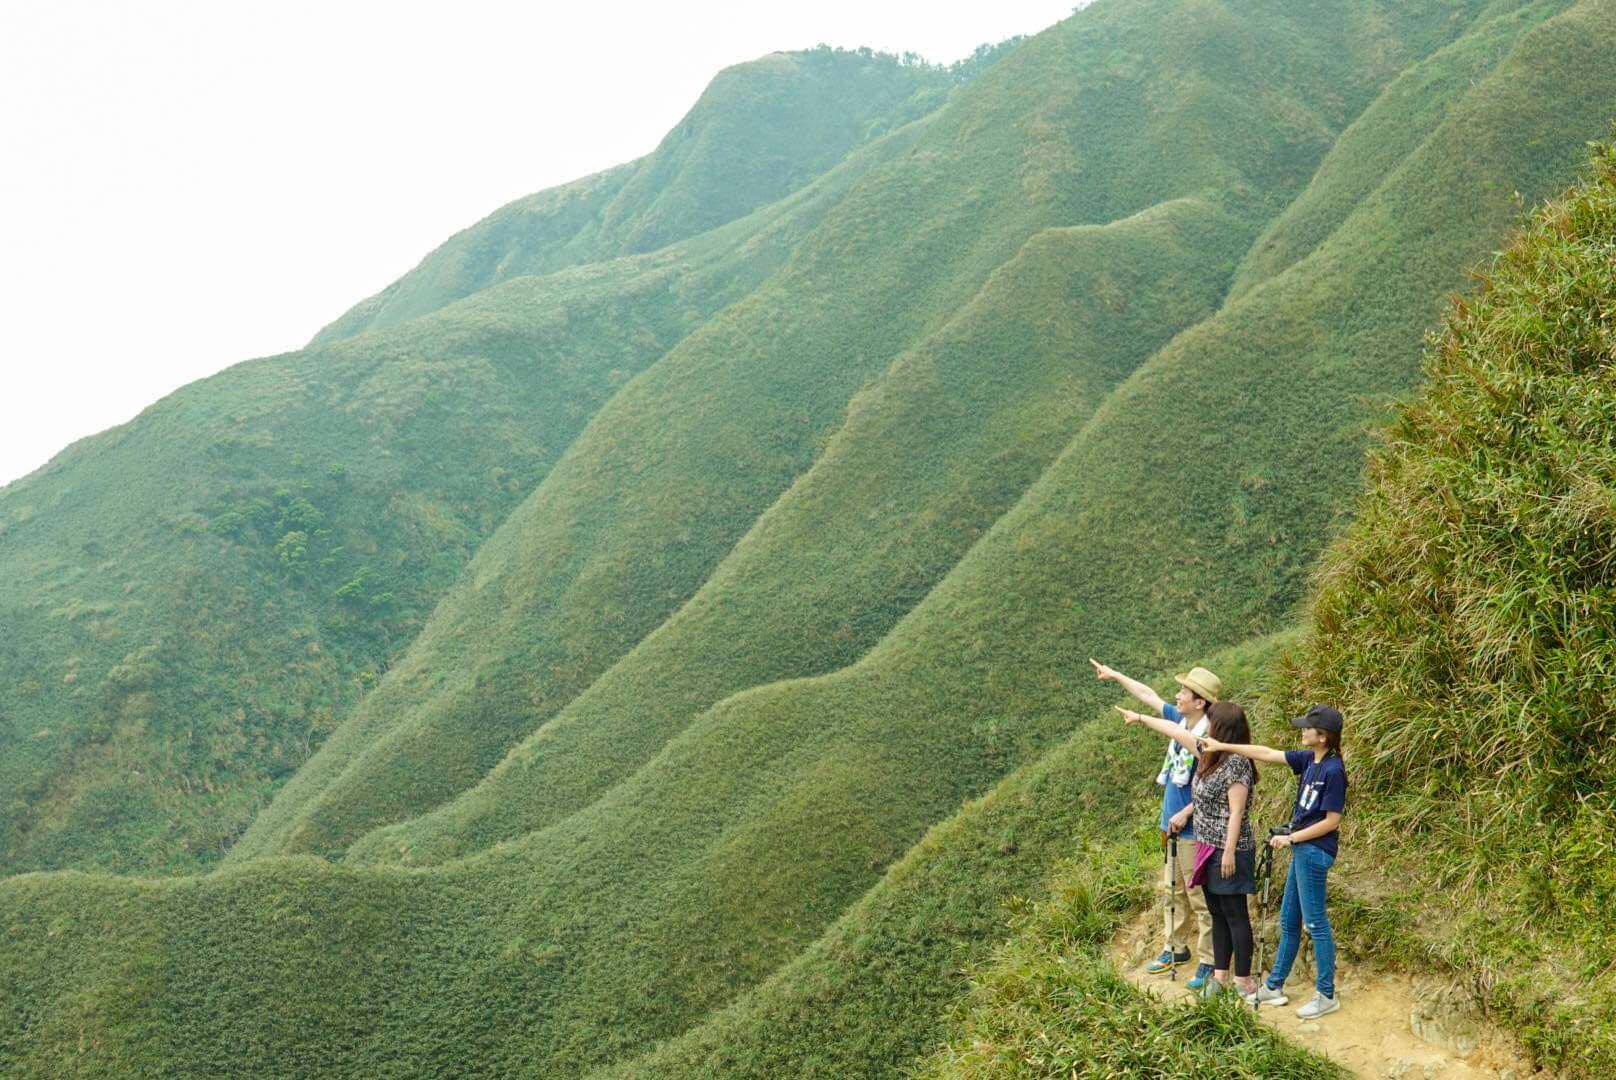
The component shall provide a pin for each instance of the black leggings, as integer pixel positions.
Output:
(1231, 931)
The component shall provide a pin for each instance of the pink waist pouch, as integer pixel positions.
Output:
(1203, 856)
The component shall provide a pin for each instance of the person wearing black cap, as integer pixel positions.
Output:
(1321, 799)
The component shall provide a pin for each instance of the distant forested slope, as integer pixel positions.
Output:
(194, 600)
(760, 131)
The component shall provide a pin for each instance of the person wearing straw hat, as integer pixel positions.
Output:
(1184, 913)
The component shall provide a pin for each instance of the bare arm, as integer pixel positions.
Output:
(1255, 753)
(1331, 822)
(1147, 697)
(1177, 732)
(1238, 794)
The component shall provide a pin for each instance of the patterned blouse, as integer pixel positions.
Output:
(1211, 801)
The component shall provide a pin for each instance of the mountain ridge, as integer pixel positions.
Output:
(379, 465)
(768, 868)
(759, 131)
(848, 296)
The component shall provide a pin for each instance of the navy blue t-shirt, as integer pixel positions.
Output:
(1323, 788)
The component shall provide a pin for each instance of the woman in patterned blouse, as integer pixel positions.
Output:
(1221, 791)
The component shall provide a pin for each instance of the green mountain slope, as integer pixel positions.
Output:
(675, 471)
(1485, 523)
(760, 131)
(438, 971)
(1464, 623)
(195, 599)
(875, 990)
(736, 889)
(929, 456)
(454, 673)
(1402, 117)
(1459, 623)
(833, 769)
(981, 672)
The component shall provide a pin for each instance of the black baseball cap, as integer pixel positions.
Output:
(1319, 716)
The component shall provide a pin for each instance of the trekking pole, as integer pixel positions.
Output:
(1265, 899)
(1172, 906)
(1172, 893)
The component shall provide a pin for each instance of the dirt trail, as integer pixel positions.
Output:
(1373, 1033)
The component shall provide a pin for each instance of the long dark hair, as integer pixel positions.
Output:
(1227, 725)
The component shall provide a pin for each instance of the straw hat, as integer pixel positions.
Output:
(1202, 683)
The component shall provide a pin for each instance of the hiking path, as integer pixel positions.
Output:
(1389, 1027)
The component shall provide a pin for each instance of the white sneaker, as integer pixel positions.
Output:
(1264, 995)
(1318, 1007)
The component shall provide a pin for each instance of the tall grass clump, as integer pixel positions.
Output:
(1465, 625)
(1049, 1004)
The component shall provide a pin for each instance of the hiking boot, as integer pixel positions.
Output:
(1198, 980)
(1318, 1007)
(1266, 995)
(1164, 963)
(1212, 989)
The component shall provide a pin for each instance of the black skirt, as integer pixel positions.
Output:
(1244, 878)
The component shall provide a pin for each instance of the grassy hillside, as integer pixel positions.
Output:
(934, 711)
(678, 468)
(1050, 1005)
(760, 131)
(882, 985)
(1285, 380)
(1455, 622)
(1464, 623)
(736, 887)
(929, 456)
(456, 671)
(194, 600)
(440, 971)
(1403, 117)
(974, 676)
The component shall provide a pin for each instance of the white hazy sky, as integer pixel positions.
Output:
(195, 184)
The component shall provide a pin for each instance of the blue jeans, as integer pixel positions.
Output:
(1304, 899)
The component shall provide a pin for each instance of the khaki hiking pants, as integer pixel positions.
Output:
(1184, 911)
